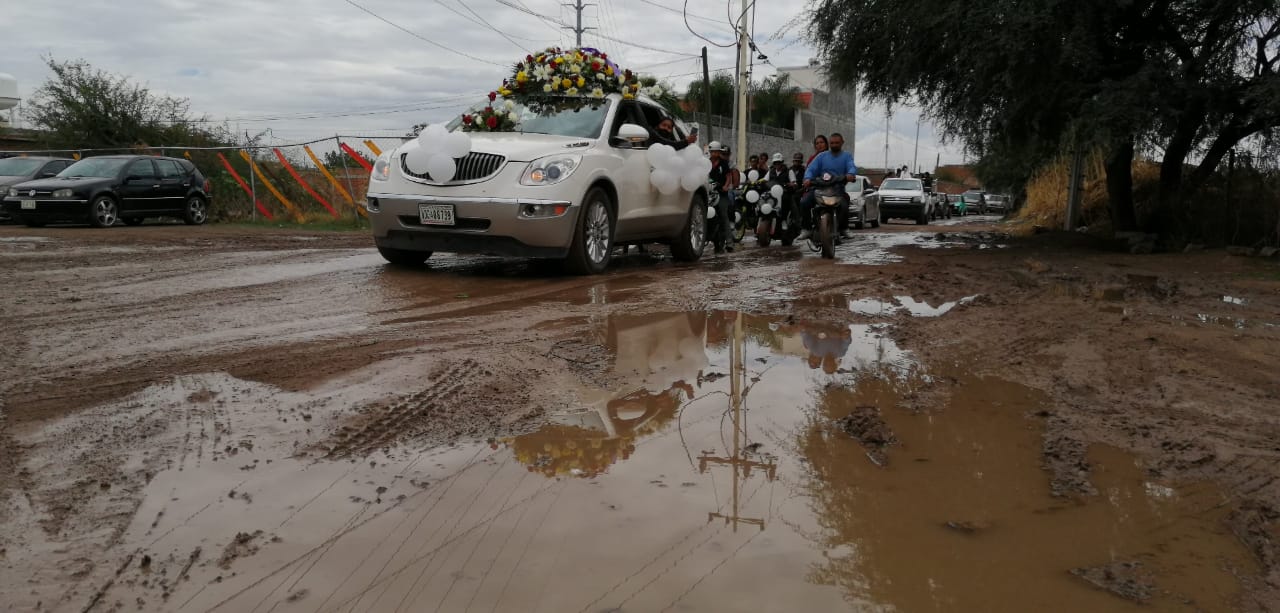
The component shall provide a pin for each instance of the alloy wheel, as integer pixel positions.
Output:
(698, 228)
(597, 232)
(105, 211)
(197, 210)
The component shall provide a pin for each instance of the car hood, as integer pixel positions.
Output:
(60, 183)
(7, 180)
(516, 146)
(900, 193)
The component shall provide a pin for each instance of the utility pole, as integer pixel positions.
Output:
(577, 7)
(888, 117)
(915, 158)
(706, 87)
(744, 82)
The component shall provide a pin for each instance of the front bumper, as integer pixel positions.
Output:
(484, 225)
(47, 210)
(901, 209)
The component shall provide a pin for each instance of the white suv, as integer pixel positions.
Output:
(571, 183)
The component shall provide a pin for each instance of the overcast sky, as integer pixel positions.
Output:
(319, 67)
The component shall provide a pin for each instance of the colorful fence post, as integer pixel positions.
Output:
(333, 180)
(235, 175)
(356, 156)
(303, 182)
(253, 167)
(373, 147)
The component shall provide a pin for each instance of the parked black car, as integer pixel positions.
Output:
(17, 170)
(106, 189)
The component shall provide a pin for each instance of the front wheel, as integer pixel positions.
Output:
(593, 238)
(404, 257)
(826, 236)
(104, 212)
(764, 232)
(739, 227)
(196, 212)
(922, 218)
(688, 245)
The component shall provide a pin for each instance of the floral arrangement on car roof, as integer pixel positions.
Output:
(556, 79)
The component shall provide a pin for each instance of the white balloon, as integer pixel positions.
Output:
(737, 216)
(711, 212)
(433, 137)
(753, 176)
(670, 184)
(753, 196)
(691, 154)
(673, 163)
(457, 144)
(657, 153)
(766, 208)
(416, 159)
(441, 168)
(659, 177)
(691, 181)
(776, 191)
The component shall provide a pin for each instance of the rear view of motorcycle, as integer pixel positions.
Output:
(715, 222)
(769, 215)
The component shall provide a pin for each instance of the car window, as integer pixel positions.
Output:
(628, 112)
(18, 167)
(142, 168)
(907, 184)
(53, 167)
(169, 169)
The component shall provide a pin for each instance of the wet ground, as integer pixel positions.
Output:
(945, 418)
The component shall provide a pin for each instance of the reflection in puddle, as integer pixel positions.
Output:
(1234, 300)
(713, 481)
(907, 304)
(1226, 322)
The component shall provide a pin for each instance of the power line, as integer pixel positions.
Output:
(680, 12)
(421, 37)
(685, 14)
(481, 22)
(528, 11)
(490, 26)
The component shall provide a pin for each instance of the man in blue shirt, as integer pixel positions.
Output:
(838, 162)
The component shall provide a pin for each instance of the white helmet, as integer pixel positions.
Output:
(777, 157)
(715, 146)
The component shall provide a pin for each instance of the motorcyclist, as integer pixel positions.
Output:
(721, 178)
(839, 163)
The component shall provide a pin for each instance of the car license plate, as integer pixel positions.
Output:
(436, 214)
(28, 205)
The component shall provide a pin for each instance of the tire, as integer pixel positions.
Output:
(862, 220)
(133, 221)
(592, 245)
(104, 212)
(826, 236)
(688, 245)
(196, 212)
(404, 257)
(763, 233)
(740, 228)
(923, 218)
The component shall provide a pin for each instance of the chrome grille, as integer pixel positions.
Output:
(474, 167)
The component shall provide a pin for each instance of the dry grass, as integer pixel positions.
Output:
(1046, 203)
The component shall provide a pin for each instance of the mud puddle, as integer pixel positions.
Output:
(721, 477)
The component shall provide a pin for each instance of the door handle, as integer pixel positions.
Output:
(154, 186)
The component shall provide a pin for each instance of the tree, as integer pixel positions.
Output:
(722, 94)
(1023, 82)
(774, 102)
(81, 107)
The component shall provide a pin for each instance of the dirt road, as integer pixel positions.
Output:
(945, 418)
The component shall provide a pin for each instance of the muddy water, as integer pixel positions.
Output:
(658, 495)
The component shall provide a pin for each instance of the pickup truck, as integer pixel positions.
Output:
(903, 199)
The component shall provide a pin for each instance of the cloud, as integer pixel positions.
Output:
(264, 64)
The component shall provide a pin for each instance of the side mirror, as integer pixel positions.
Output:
(632, 133)
(46, 175)
(868, 191)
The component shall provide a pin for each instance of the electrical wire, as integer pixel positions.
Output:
(421, 37)
(685, 15)
(398, 108)
(481, 22)
(526, 10)
(679, 12)
(490, 26)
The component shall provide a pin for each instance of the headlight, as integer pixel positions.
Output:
(917, 200)
(63, 193)
(382, 167)
(550, 170)
(13, 192)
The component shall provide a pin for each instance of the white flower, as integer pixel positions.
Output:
(621, 79)
(572, 91)
(513, 117)
(599, 76)
(597, 93)
(540, 73)
(577, 68)
(509, 105)
(547, 88)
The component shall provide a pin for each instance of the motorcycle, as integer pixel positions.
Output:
(828, 193)
(769, 217)
(714, 228)
(745, 213)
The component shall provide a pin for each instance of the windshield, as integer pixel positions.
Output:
(95, 167)
(558, 116)
(907, 184)
(995, 198)
(19, 167)
(972, 197)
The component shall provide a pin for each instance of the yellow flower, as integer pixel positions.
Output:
(597, 93)
(522, 76)
(504, 91)
(608, 70)
(555, 85)
(628, 96)
(566, 83)
(581, 81)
